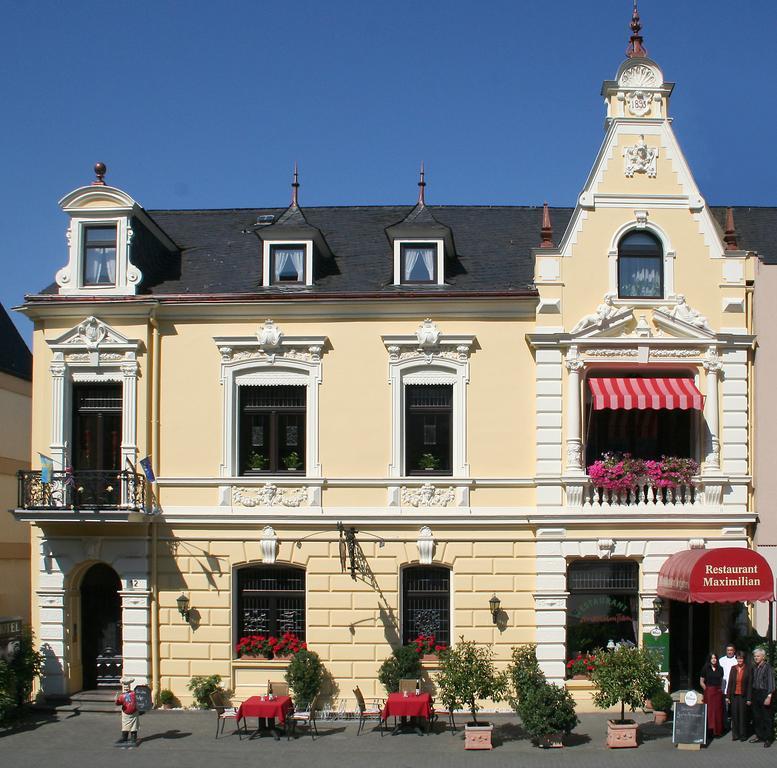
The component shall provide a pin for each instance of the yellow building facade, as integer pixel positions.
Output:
(365, 423)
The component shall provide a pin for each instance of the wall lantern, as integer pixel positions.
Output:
(183, 607)
(494, 603)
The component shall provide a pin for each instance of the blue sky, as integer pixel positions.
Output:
(208, 104)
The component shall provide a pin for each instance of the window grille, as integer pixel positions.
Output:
(426, 603)
(271, 601)
(611, 576)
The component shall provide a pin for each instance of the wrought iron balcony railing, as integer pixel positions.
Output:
(83, 489)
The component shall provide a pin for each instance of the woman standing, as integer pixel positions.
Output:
(736, 696)
(711, 681)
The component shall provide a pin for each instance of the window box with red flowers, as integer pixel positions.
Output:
(428, 648)
(581, 666)
(269, 646)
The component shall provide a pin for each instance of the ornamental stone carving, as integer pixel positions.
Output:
(426, 545)
(669, 353)
(640, 158)
(605, 311)
(427, 496)
(270, 495)
(269, 335)
(639, 76)
(269, 544)
(712, 362)
(612, 352)
(90, 333)
(638, 103)
(686, 314)
(428, 334)
(606, 547)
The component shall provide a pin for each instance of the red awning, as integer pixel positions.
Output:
(644, 394)
(726, 575)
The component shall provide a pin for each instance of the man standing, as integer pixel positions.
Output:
(727, 663)
(760, 698)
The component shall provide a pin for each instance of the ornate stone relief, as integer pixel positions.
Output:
(269, 335)
(612, 352)
(271, 343)
(427, 496)
(604, 312)
(606, 547)
(270, 495)
(269, 544)
(640, 158)
(430, 342)
(639, 76)
(638, 103)
(428, 334)
(663, 352)
(685, 313)
(426, 545)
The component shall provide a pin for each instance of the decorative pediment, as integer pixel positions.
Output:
(270, 344)
(682, 320)
(93, 342)
(430, 343)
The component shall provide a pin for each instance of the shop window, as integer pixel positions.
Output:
(428, 428)
(426, 603)
(271, 601)
(272, 429)
(603, 605)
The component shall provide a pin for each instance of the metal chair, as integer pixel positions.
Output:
(304, 716)
(409, 684)
(224, 712)
(365, 712)
(278, 689)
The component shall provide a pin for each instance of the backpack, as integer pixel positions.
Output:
(130, 705)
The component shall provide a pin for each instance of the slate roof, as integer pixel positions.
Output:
(221, 254)
(15, 358)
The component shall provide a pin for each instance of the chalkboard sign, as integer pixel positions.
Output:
(143, 698)
(690, 724)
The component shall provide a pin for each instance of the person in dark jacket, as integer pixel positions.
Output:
(737, 687)
(760, 698)
(711, 682)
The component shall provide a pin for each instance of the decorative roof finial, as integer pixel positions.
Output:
(100, 169)
(547, 229)
(636, 49)
(421, 187)
(730, 235)
(295, 188)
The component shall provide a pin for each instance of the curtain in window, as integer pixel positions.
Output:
(289, 263)
(100, 267)
(419, 264)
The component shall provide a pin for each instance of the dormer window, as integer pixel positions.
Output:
(418, 262)
(99, 255)
(640, 266)
(288, 263)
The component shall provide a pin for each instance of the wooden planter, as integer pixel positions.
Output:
(478, 736)
(621, 735)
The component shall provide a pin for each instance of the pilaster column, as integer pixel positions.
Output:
(712, 366)
(574, 364)
(136, 643)
(57, 447)
(51, 638)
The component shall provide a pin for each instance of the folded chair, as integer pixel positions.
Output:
(365, 712)
(224, 711)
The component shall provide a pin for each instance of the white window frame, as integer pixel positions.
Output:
(399, 242)
(267, 273)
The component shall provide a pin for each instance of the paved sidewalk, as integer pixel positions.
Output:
(185, 739)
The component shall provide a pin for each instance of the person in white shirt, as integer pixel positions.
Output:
(726, 663)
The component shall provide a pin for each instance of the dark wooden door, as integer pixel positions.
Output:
(101, 628)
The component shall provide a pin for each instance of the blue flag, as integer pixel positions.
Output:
(46, 468)
(147, 471)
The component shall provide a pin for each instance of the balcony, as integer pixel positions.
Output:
(83, 490)
(642, 496)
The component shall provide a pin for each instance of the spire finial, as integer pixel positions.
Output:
(295, 188)
(547, 229)
(730, 235)
(421, 186)
(635, 48)
(100, 169)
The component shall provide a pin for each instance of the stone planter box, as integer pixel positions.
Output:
(478, 736)
(622, 735)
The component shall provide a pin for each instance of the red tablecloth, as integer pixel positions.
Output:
(259, 706)
(399, 705)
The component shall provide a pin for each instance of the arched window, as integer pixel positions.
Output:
(640, 266)
(426, 603)
(270, 600)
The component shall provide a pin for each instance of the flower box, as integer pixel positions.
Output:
(478, 736)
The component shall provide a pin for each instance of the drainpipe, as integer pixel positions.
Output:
(155, 391)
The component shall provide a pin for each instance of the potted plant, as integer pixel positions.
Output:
(428, 461)
(167, 698)
(468, 674)
(404, 662)
(268, 646)
(581, 666)
(547, 712)
(304, 675)
(625, 676)
(257, 461)
(426, 646)
(292, 461)
(202, 686)
(662, 704)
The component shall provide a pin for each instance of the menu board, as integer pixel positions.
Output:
(143, 698)
(690, 724)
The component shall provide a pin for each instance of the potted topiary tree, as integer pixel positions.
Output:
(662, 704)
(468, 674)
(547, 713)
(404, 662)
(304, 675)
(626, 676)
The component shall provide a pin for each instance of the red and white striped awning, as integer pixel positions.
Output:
(644, 394)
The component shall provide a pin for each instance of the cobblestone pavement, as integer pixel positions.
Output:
(185, 739)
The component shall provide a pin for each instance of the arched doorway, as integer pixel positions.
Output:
(101, 627)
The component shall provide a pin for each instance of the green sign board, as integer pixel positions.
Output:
(659, 644)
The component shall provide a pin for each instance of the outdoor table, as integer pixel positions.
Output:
(265, 708)
(412, 705)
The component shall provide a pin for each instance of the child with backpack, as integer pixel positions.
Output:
(129, 714)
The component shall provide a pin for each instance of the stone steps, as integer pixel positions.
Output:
(100, 700)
